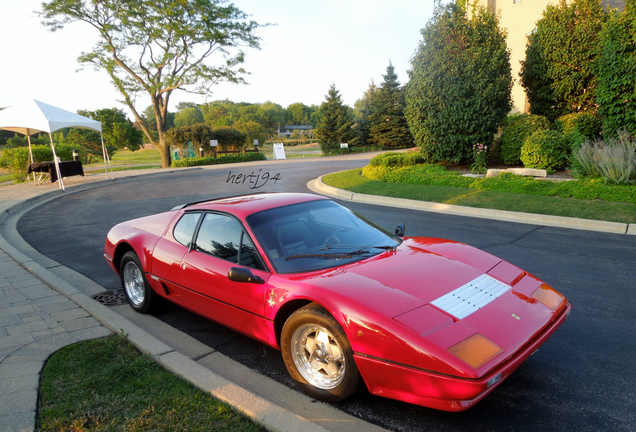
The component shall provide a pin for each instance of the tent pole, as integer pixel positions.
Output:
(57, 164)
(30, 152)
(106, 158)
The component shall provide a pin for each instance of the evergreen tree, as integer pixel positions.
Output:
(460, 82)
(362, 112)
(389, 128)
(336, 122)
(558, 72)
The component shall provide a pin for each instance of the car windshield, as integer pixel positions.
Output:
(317, 235)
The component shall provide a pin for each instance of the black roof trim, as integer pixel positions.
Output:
(182, 206)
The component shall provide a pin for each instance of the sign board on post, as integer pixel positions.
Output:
(255, 143)
(214, 143)
(279, 151)
(344, 145)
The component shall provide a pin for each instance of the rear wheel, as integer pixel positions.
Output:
(318, 355)
(138, 292)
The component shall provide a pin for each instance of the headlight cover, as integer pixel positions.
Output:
(476, 350)
(548, 296)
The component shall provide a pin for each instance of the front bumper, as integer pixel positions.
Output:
(439, 391)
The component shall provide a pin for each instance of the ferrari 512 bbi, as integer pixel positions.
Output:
(423, 320)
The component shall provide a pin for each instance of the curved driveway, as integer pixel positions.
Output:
(581, 379)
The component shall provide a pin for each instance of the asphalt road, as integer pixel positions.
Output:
(582, 379)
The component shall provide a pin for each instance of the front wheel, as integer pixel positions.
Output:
(318, 355)
(138, 292)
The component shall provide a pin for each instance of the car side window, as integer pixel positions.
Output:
(184, 229)
(223, 237)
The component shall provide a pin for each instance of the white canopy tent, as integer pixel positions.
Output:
(32, 116)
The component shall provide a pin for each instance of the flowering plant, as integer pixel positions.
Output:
(480, 157)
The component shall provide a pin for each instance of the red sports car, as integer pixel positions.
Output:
(423, 320)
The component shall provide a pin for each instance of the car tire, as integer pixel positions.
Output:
(138, 292)
(318, 355)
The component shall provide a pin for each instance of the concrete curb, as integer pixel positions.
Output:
(318, 186)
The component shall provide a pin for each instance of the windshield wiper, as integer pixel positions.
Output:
(328, 255)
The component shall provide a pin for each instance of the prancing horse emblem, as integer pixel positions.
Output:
(271, 301)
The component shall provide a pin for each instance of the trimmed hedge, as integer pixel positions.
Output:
(393, 159)
(517, 129)
(190, 162)
(545, 149)
(437, 175)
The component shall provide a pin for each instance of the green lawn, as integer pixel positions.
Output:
(292, 152)
(106, 384)
(127, 157)
(587, 209)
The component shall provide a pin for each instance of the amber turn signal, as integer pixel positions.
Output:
(548, 296)
(477, 350)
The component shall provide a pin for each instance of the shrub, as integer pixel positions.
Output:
(189, 162)
(517, 129)
(397, 159)
(586, 157)
(545, 149)
(579, 128)
(581, 124)
(614, 159)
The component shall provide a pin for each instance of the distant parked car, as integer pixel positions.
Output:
(423, 320)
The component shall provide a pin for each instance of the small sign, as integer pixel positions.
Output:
(279, 151)
(344, 145)
(255, 143)
(214, 143)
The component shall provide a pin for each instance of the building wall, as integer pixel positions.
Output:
(519, 20)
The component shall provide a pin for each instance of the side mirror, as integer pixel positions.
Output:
(399, 230)
(240, 274)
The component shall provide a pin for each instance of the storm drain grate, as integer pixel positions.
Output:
(111, 298)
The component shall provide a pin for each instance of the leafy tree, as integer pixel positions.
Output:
(159, 46)
(188, 116)
(198, 134)
(89, 145)
(336, 122)
(389, 128)
(616, 94)
(149, 117)
(17, 141)
(118, 131)
(271, 116)
(229, 138)
(253, 131)
(460, 82)
(558, 72)
(298, 114)
(178, 139)
(362, 110)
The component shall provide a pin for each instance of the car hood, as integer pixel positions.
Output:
(417, 272)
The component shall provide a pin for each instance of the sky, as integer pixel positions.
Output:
(309, 46)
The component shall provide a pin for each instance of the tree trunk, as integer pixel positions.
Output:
(166, 157)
